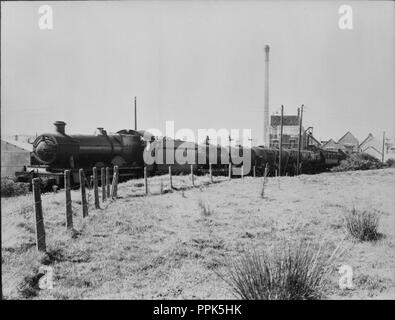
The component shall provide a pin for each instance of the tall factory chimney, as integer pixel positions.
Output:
(135, 113)
(266, 140)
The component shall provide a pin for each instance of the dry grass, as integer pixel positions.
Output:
(162, 246)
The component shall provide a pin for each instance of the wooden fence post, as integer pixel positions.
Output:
(114, 187)
(211, 172)
(108, 182)
(266, 170)
(83, 194)
(145, 181)
(170, 178)
(192, 176)
(38, 211)
(230, 171)
(69, 210)
(103, 183)
(96, 188)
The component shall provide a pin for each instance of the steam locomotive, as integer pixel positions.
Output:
(55, 152)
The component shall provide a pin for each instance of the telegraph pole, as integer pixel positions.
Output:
(230, 149)
(281, 140)
(135, 113)
(299, 140)
(207, 143)
(382, 151)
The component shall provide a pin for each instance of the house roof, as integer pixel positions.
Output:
(19, 144)
(348, 138)
(275, 120)
(329, 143)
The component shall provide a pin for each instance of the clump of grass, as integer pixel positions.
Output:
(362, 225)
(205, 208)
(296, 273)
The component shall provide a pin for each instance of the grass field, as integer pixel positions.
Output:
(173, 244)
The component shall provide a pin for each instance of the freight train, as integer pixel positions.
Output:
(53, 153)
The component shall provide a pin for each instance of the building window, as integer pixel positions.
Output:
(275, 143)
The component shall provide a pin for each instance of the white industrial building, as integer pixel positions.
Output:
(14, 156)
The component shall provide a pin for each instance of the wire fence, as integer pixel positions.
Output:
(26, 226)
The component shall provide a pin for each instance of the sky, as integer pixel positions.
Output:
(198, 63)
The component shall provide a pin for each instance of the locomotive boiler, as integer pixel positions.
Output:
(55, 152)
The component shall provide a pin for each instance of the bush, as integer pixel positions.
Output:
(10, 188)
(358, 161)
(362, 225)
(296, 273)
(390, 162)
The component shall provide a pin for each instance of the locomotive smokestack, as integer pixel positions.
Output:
(60, 127)
(266, 141)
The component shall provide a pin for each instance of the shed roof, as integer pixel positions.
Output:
(19, 144)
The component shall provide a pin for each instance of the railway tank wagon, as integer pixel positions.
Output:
(55, 152)
(260, 156)
(164, 153)
(179, 155)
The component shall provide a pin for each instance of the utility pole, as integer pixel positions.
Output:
(299, 140)
(135, 113)
(230, 150)
(382, 152)
(281, 140)
(207, 143)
